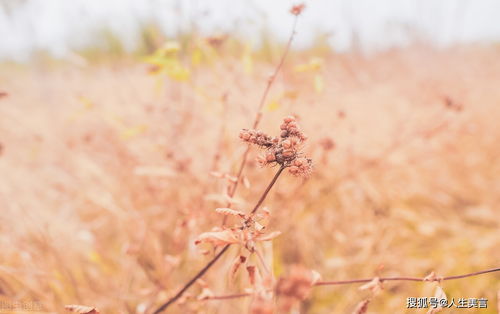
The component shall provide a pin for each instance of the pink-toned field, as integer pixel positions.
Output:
(106, 179)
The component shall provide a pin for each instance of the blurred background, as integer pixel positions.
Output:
(119, 125)
(60, 27)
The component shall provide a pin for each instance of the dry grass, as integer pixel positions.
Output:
(106, 179)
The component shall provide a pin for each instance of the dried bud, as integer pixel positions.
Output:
(270, 157)
(288, 153)
(297, 9)
(286, 143)
(298, 162)
(301, 167)
(261, 160)
(283, 150)
(244, 135)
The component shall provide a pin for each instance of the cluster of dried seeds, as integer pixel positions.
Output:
(285, 150)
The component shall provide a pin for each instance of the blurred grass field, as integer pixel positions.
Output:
(106, 175)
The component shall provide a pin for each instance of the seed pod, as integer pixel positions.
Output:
(270, 157)
(286, 143)
(288, 153)
(244, 135)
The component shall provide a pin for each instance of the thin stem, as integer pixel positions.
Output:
(264, 195)
(227, 297)
(192, 281)
(270, 81)
(346, 282)
(258, 116)
(172, 300)
(354, 281)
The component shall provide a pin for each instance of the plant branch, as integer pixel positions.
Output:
(192, 281)
(269, 187)
(227, 297)
(258, 116)
(271, 79)
(172, 300)
(355, 281)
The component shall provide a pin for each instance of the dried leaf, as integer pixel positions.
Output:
(229, 211)
(265, 210)
(205, 294)
(259, 227)
(255, 278)
(202, 283)
(432, 277)
(362, 307)
(251, 274)
(218, 238)
(315, 277)
(82, 309)
(375, 286)
(239, 260)
(439, 294)
(268, 236)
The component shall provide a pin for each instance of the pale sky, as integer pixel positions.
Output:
(60, 26)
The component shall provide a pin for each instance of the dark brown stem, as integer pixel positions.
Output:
(172, 300)
(269, 187)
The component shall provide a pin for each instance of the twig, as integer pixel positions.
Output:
(172, 300)
(355, 281)
(258, 116)
(271, 79)
(192, 281)
(227, 297)
(264, 195)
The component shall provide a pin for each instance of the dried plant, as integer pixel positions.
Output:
(284, 150)
(286, 153)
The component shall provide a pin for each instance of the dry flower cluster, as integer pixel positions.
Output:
(284, 150)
